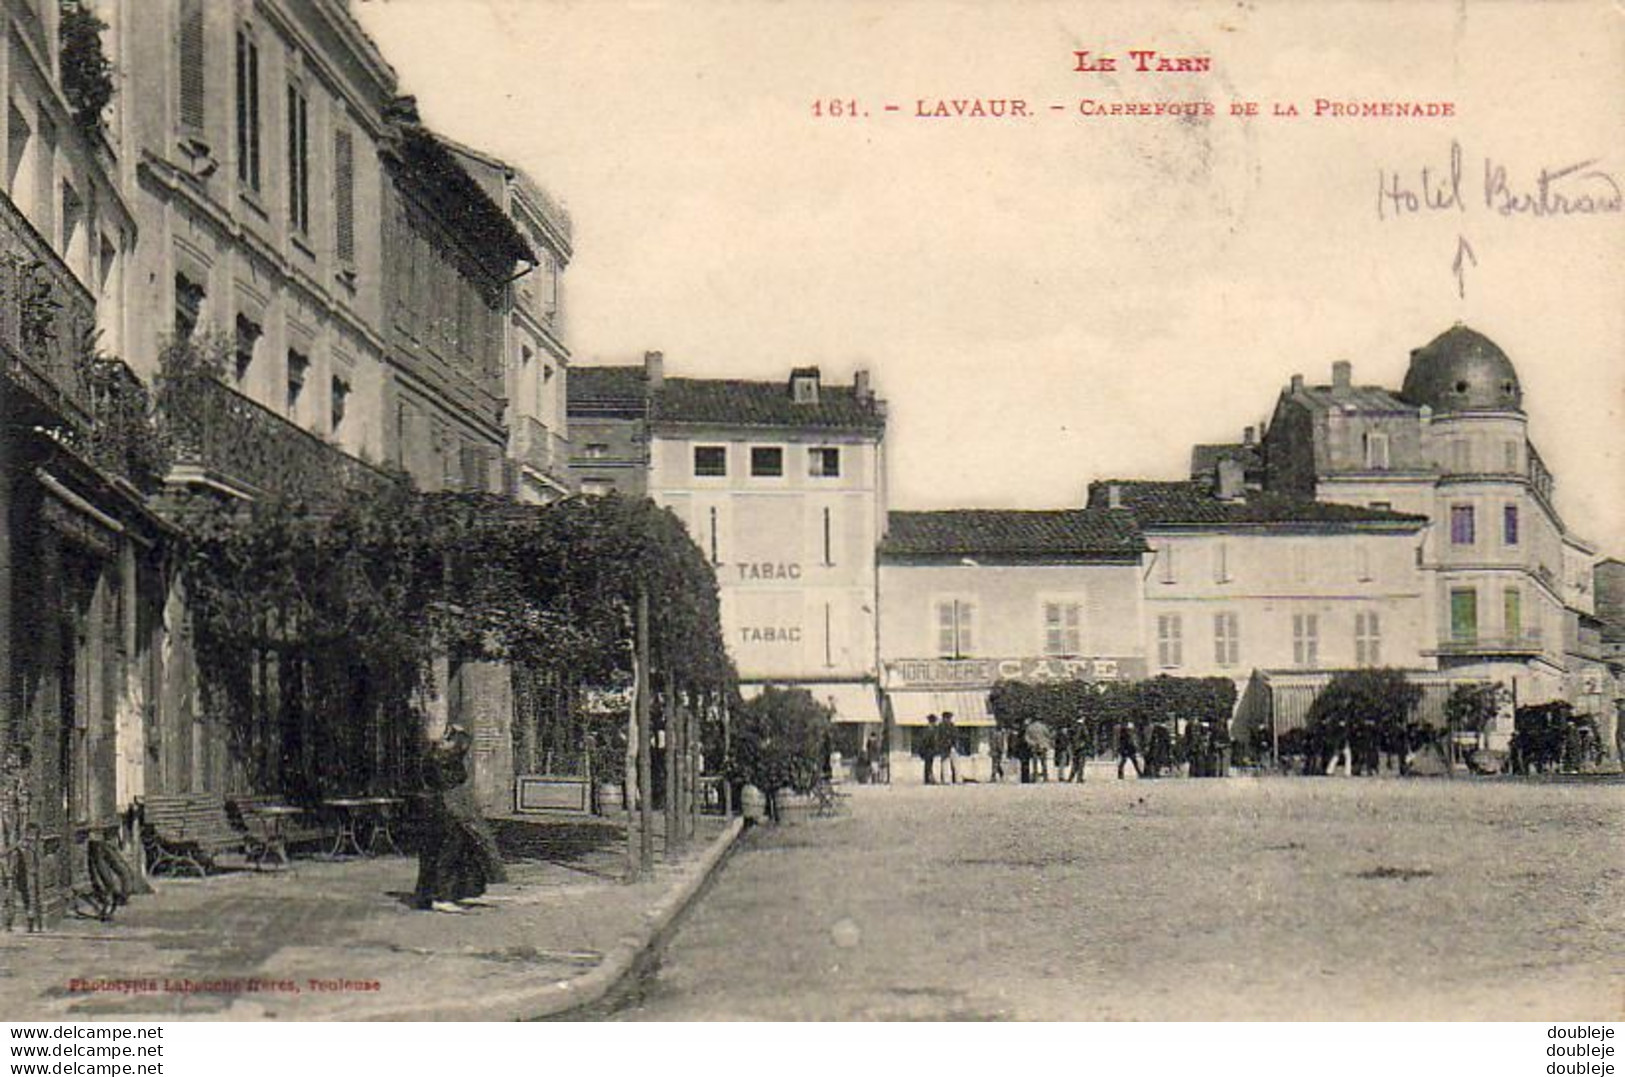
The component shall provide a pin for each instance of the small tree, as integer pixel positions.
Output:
(781, 741)
(1363, 711)
(87, 74)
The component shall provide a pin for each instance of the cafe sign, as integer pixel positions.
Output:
(950, 673)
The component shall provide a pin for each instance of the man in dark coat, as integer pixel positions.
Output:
(925, 746)
(1128, 748)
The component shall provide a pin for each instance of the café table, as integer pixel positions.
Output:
(381, 837)
(274, 837)
(348, 812)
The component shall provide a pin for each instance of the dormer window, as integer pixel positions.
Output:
(804, 385)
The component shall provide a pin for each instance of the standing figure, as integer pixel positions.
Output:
(1039, 742)
(1128, 748)
(458, 857)
(997, 744)
(948, 749)
(925, 746)
(876, 756)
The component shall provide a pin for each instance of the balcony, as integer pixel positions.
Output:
(219, 435)
(538, 448)
(1517, 644)
(47, 319)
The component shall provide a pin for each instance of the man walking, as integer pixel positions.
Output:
(1128, 748)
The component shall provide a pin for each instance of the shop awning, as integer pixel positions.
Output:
(852, 702)
(969, 708)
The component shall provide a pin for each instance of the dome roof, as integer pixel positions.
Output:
(1462, 370)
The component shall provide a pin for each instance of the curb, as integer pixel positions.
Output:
(562, 998)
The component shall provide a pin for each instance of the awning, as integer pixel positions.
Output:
(969, 708)
(852, 702)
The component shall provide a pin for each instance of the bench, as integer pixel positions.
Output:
(270, 825)
(187, 830)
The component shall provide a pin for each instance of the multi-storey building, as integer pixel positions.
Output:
(538, 362)
(79, 582)
(609, 427)
(1509, 584)
(450, 252)
(972, 597)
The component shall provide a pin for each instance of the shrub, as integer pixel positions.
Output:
(781, 741)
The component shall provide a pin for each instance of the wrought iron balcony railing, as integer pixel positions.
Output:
(47, 321)
(1526, 642)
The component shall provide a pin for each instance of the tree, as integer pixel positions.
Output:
(1472, 707)
(1365, 712)
(780, 741)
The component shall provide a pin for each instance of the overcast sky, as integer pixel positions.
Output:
(1056, 298)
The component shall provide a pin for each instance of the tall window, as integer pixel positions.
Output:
(340, 402)
(1305, 640)
(1462, 529)
(1464, 614)
(189, 59)
(248, 110)
(824, 463)
(344, 199)
(1509, 525)
(1512, 612)
(1170, 642)
(1063, 628)
(248, 335)
(1226, 639)
(298, 368)
(1376, 451)
(1367, 639)
(955, 628)
(298, 159)
(710, 461)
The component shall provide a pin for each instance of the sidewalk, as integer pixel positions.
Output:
(335, 941)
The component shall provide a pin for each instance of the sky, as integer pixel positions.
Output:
(1052, 298)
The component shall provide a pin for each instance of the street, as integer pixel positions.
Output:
(1224, 899)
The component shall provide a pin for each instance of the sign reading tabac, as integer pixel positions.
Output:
(986, 672)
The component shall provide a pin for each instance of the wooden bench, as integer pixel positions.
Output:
(270, 826)
(187, 830)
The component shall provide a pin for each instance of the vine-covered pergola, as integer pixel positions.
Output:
(316, 628)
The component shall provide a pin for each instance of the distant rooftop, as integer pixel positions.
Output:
(993, 532)
(723, 401)
(1187, 503)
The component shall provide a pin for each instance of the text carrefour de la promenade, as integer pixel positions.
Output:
(1130, 62)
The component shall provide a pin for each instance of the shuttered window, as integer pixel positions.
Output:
(248, 110)
(190, 61)
(344, 195)
(298, 160)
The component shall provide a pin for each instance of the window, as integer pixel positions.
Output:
(340, 399)
(1367, 639)
(344, 199)
(955, 624)
(298, 367)
(1221, 563)
(766, 461)
(298, 159)
(248, 110)
(1226, 639)
(1376, 451)
(1512, 613)
(1464, 614)
(1462, 530)
(1509, 525)
(710, 461)
(188, 307)
(824, 463)
(1166, 556)
(1063, 628)
(189, 58)
(1170, 646)
(248, 335)
(1305, 640)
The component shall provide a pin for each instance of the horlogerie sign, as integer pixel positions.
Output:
(985, 672)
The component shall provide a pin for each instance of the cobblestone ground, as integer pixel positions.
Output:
(562, 909)
(1225, 899)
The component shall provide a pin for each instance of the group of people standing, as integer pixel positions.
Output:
(937, 745)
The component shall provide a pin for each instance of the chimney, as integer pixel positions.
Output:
(654, 369)
(1342, 377)
(1114, 496)
(1297, 383)
(1247, 436)
(1231, 479)
(860, 387)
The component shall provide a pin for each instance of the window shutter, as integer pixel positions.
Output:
(344, 194)
(191, 64)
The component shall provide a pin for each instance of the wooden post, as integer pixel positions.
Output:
(727, 755)
(674, 770)
(646, 837)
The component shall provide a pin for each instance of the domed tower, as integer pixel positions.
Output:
(1462, 370)
(1496, 541)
